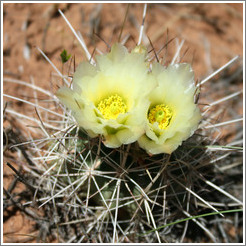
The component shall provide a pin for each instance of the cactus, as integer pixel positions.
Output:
(89, 192)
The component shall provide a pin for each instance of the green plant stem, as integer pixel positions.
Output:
(194, 217)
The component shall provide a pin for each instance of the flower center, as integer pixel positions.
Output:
(112, 106)
(162, 114)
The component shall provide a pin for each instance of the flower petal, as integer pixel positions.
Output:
(121, 76)
(70, 98)
(175, 89)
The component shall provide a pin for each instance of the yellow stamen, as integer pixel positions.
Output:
(162, 114)
(112, 106)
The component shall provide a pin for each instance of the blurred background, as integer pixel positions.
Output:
(213, 33)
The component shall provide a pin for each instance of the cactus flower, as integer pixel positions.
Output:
(111, 98)
(172, 116)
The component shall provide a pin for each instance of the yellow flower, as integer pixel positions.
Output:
(172, 116)
(110, 99)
